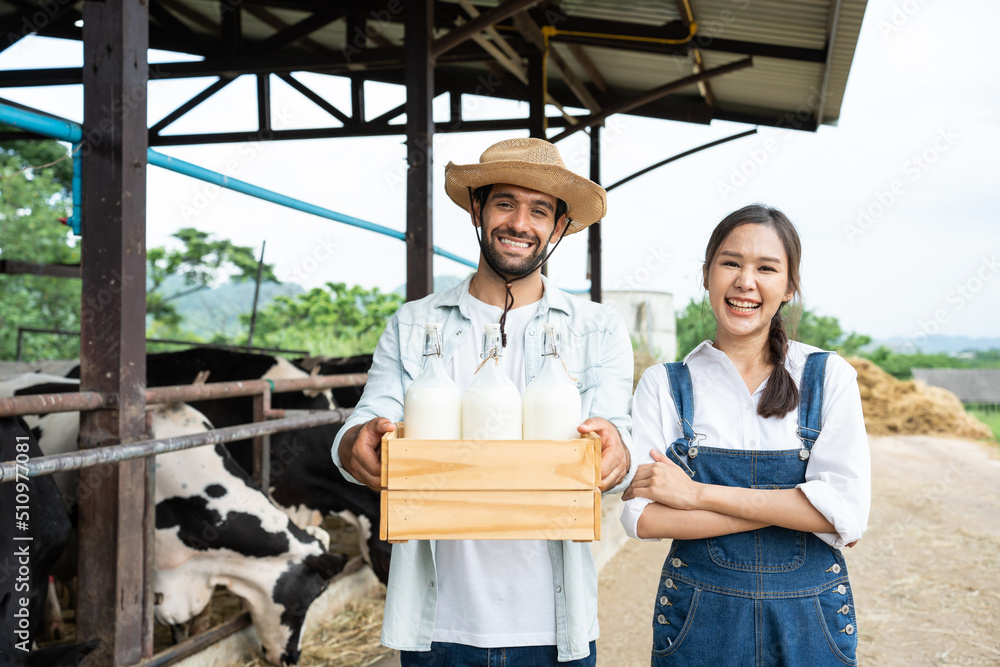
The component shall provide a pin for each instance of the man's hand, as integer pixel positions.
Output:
(615, 458)
(361, 451)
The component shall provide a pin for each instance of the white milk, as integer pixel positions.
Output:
(432, 407)
(551, 400)
(552, 413)
(433, 413)
(491, 413)
(491, 407)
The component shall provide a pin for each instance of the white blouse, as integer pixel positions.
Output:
(838, 472)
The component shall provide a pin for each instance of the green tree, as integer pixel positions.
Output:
(32, 199)
(697, 322)
(201, 262)
(335, 320)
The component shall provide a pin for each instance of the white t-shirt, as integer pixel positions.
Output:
(494, 593)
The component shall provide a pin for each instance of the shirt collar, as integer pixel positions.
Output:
(552, 297)
(704, 348)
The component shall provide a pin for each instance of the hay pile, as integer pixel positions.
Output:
(897, 407)
(349, 639)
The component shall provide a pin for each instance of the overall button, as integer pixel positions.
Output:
(664, 601)
(836, 568)
(849, 629)
(692, 452)
(668, 582)
(842, 589)
(662, 620)
(803, 454)
(844, 610)
(677, 562)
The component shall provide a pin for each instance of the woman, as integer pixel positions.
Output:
(758, 470)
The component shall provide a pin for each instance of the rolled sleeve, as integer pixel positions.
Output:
(383, 393)
(838, 477)
(653, 421)
(613, 396)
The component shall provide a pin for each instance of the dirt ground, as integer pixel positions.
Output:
(926, 576)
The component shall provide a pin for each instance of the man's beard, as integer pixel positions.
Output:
(510, 266)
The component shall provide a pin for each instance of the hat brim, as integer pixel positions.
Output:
(587, 201)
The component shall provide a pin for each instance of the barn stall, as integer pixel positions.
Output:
(774, 63)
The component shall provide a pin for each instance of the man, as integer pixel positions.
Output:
(532, 602)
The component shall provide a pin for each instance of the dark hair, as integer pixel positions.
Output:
(781, 396)
(482, 194)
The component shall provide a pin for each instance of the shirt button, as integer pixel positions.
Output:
(458, 333)
(842, 589)
(752, 443)
(558, 589)
(849, 629)
(579, 385)
(747, 406)
(835, 569)
(664, 600)
(668, 582)
(432, 584)
(662, 620)
(531, 332)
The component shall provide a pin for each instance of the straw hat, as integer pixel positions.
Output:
(533, 164)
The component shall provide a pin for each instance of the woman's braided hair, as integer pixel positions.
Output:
(781, 396)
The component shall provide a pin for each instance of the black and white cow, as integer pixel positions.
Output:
(33, 533)
(304, 479)
(214, 527)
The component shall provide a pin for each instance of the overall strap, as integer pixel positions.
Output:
(686, 447)
(683, 395)
(811, 401)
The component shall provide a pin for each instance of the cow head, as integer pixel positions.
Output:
(293, 592)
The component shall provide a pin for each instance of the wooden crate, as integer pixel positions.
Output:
(490, 489)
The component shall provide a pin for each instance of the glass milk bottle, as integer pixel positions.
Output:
(551, 400)
(491, 408)
(432, 407)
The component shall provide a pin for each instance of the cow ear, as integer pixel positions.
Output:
(327, 564)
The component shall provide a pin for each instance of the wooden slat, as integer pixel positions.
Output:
(491, 465)
(490, 515)
(383, 524)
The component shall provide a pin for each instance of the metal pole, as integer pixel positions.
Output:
(112, 538)
(594, 231)
(419, 77)
(256, 294)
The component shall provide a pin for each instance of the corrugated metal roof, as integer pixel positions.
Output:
(795, 74)
(971, 385)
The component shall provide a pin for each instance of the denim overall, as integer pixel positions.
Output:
(772, 596)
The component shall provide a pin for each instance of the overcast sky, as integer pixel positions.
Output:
(897, 206)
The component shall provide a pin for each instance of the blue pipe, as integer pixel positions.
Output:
(63, 130)
(74, 219)
(194, 171)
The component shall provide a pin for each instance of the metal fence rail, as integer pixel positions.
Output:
(47, 465)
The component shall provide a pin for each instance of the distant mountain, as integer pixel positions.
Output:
(218, 309)
(935, 344)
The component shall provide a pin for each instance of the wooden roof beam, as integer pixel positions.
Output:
(589, 67)
(533, 34)
(652, 95)
(477, 25)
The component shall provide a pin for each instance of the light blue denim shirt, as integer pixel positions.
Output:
(597, 351)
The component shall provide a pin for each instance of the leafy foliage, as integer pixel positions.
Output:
(697, 323)
(31, 201)
(334, 320)
(901, 365)
(200, 262)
